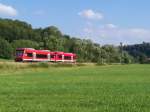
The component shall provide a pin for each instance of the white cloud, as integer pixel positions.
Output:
(7, 10)
(111, 34)
(90, 14)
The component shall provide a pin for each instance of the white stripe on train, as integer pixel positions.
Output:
(49, 60)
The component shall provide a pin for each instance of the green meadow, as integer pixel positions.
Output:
(91, 88)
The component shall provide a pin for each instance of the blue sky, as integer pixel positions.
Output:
(103, 21)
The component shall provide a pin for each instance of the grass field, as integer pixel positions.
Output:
(114, 88)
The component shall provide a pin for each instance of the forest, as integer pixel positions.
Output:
(15, 34)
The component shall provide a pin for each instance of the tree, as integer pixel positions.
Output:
(139, 51)
(52, 30)
(5, 49)
(142, 58)
(126, 58)
(24, 44)
(15, 30)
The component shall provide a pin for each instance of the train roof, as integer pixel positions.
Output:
(45, 51)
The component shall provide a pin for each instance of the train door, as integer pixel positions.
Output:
(49, 57)
(34, 56)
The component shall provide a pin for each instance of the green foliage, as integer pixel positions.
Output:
(127, 59)
(5, 49)
(14, 30)
(140, 52)
(142, 58)
(24, 44)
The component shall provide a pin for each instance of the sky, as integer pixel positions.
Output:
(102, 21)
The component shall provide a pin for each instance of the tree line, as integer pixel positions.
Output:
(140, 52)
(15, 34)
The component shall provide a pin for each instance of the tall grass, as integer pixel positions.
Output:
(12, 65)
(31, 65)
(39, 65)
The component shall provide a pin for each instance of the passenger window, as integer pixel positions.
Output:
(67, 57)
(52, 56)
(29, 54)
(41, 56)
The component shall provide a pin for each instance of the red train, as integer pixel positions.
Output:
(32, 55)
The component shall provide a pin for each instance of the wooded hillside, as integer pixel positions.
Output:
(15, 33)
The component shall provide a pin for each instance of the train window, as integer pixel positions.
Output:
(52, 56)
(19, 53)
(41, 56)
(67, 57)
(59, 56)
(29, 54)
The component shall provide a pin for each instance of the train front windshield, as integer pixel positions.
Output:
(19, 53)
